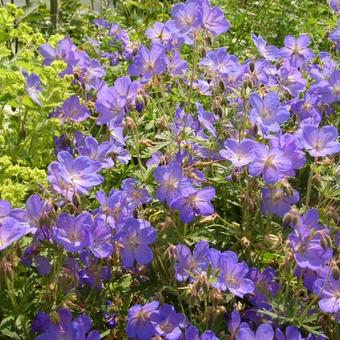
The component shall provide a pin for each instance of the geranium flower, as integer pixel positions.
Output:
(329, 292)
(322, 141)
(192, 203)
(271, 163)
(69, 176)
(73, 233)
(140, 320)
(233, 276)
(239, 153)
(136, 237)
(296, 49)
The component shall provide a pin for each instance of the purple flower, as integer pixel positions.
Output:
(292, 80)
(265, 286)
(213, 18)
(277, 201)
(293, 333)
(240, 154)
(308, 248)
(170, 179)
(89, 146)
(192, 203)
(114, 205)
(63, 327)
(136, 237)
(101, 245)
(147, 62)
(296, 49)
(263, 332)
(135, 196)
(140, 320)
(335, 35)
(320, 142)
(168, 327)
(72, 110)
(218, 61)
(206, 120)
(192, 333)
(86, 70)
(272, 163)
(62, 143)
(335, 5)
(60, 52)
(268, 112)
(33, 86)
(188, 264)
(109, 104)
(307, 107)
(69, 176)
(36, 208)
(127, 90)
(12, 230)
(159, 34)
(264, 50)
(292, 149)
(186, 18)
(92, 275)
(329, 88)
(176, 66)
(73, 233)
(328, 291)
(233, 276)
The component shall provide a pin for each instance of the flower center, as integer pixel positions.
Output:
(133, 241)
(269, 161)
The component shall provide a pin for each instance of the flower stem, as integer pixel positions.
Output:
(309, 183)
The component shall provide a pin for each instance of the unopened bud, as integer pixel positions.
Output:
(129, 123)
(221, 85)
(204, 282)
(140, 103)
(291, 218)
(147, 142)
(336, 273)
(252, 67)
(208, 40)
(325, 242)
(191, 293)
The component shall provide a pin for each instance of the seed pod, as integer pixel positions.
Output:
(272, 240)
(245, 241)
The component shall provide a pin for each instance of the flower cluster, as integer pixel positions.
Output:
(189, 147)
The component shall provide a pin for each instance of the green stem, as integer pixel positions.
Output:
(309, 183)
(11, 294)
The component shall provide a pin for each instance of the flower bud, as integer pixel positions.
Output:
(204, 282)
(336, 273)
(171, 252)
(129, 123)
(140, 103)
(215, 296)
(251, 66)
(325, 242)
(291, 218)
(191, 293)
